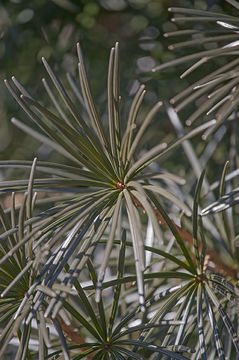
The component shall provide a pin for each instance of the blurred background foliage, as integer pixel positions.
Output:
(30, 30)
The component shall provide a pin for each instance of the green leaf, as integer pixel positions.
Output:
(189, 303)
(141, 196)
(200, 324)
(87, 305)
(129, 353)
(127, 138)
(62, 339)
(108, 249)
(142, 129)
(174, 232)
(45, 140)
(195, 217)
(117, 289)
(112, 110)
(71, 136)
(135, 229)
(92, 330)
(88, 100)
(131, 314)
(23, 348)
(224, 316)
(214, 326)
(170, 196)
(154, 348)
(197, 55)
(162, 149)
(100, 302)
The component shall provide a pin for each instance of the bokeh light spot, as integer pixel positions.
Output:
(25, 15)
